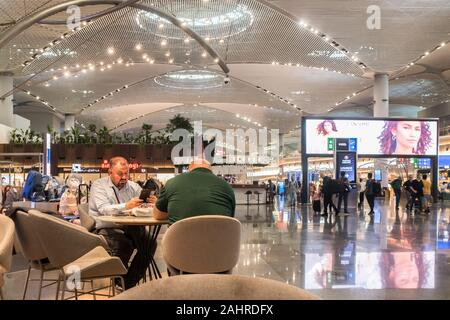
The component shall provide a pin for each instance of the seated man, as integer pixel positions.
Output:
(198, 192)
(113, 194)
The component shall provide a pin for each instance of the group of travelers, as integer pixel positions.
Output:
(289, 190)
(417, 191)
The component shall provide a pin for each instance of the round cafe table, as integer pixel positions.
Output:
(147, 244)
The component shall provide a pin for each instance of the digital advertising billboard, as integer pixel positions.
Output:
(374, 136)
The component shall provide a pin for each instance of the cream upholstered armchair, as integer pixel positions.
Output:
(32, 250)
(202, 244)
(215, 287)
(6, 245)
(75, 251)
(86, 220)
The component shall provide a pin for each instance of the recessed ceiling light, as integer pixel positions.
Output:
(138, 46)
(111, 51)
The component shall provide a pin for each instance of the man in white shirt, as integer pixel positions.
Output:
(361, 189)
(111, 195)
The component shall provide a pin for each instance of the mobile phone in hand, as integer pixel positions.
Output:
(145, 194)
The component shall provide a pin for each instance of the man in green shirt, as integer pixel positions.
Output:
(198, 192)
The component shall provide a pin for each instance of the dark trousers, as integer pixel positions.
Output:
(343, 196)
(371, 200)
(361, 200)
(328, 202)
(122, 243)
(416, 201)
(409, 200)
(398, 194)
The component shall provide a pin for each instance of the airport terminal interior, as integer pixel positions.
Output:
(320, 127)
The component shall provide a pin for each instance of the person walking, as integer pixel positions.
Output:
(409, 194)
(291, 191)
(361, 186)
(417, 193)
(344, 190)
(315, 198)
(396, 185)
(370, 194)
(328, 192)
(426, 193)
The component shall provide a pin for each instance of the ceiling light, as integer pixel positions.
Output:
(161, 25)
(84, 70)
(91, 67)
(55, 78)
(442, 44)
(119, 61)
(47, 84)
(163, 42)
(186, 40)
(167, 54)
(109, 66)
(427, 53)
(37, 97)
(221, 41)
(204, 54)
(170, 60)
(145, 56)
(138, 46)
(216, 60)
(67, 74)
(111, 51)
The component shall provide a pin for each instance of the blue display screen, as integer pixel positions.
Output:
(424, 163)
(378, 176)
(444, 162)
(346, 162)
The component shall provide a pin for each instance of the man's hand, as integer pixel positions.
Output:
(133, 203)
(152, 199)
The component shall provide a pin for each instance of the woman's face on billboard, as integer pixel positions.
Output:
(404, 273)
(328, 126)
(407, 135)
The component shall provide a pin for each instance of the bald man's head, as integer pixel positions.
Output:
(199, 163)
(118, 171)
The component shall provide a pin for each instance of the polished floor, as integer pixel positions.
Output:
(390, 256)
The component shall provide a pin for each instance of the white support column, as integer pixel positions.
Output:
(381, 109)
(6, 105)
(381, 95)
(69, 122)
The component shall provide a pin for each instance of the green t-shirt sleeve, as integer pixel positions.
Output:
(163, 200)
(233, 199)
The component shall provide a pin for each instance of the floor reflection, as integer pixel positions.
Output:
(349, 254)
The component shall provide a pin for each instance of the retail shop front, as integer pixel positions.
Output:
(408, 145)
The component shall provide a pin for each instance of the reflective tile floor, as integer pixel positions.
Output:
(392, 256)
